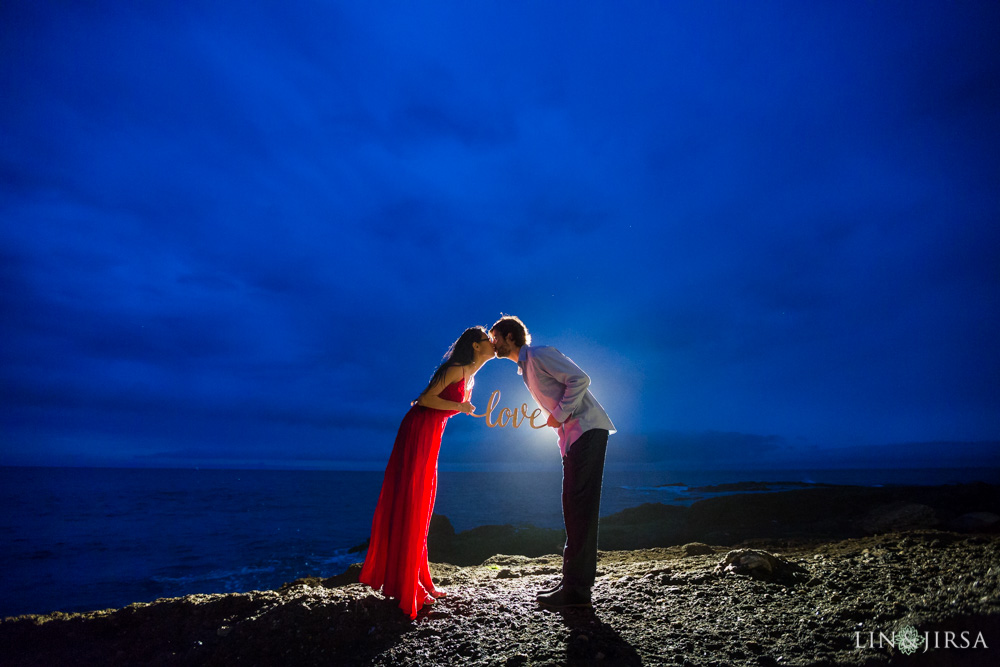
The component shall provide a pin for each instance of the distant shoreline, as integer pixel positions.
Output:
(741, 474)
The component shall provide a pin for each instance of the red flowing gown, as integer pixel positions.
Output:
(397, 554)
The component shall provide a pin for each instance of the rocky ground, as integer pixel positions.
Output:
(796, 600)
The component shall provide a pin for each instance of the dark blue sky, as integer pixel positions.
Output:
(235, 235)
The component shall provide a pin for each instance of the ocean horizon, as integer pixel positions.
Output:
(78, 539)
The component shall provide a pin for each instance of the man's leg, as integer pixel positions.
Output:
(583, 475)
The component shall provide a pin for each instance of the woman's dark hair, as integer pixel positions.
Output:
(459, 354)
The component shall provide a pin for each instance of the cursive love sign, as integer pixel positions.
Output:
(507, 416)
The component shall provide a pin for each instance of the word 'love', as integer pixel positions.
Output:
(514, 417)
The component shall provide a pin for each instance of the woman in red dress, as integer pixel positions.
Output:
(397, 553)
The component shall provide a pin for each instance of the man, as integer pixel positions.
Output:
(561, 389)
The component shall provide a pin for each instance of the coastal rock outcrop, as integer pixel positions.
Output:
(824, 512)
(471, 547)
(976, 522)
(898, 516)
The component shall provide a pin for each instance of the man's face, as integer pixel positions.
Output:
(501, 346)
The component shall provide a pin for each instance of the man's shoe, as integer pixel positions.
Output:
(551, 589)
(564, 597)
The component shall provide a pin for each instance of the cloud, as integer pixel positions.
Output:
(251, 224)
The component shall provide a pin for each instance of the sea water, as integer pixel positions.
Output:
(75, 539)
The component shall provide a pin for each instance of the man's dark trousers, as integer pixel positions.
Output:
(583, 475)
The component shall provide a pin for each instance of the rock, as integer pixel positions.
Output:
(749, 561)
(761, 565)
(648, 525)
(508, 560)
(348, 576)
(976, 522)
(440, 537)
(898, 516)
(697, 549)
(472, 547)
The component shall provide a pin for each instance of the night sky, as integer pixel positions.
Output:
(236, 235)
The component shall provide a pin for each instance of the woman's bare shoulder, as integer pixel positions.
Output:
(453, 374)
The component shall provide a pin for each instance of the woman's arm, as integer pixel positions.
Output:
(432, 399)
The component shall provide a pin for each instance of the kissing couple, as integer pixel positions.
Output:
(396, 562)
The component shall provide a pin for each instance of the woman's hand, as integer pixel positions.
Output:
(467, 408)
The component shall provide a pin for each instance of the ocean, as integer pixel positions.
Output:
(78, 539)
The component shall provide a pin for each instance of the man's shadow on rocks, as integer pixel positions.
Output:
(592, 641)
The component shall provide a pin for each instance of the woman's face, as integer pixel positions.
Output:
(483, 347)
